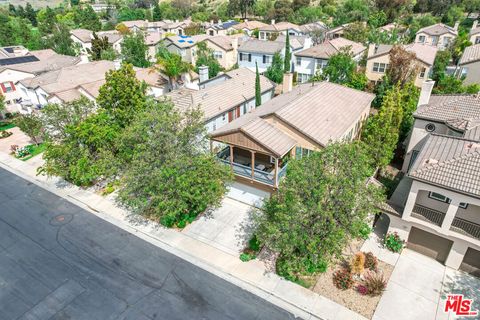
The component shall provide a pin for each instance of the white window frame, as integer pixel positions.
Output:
(298, 61)
(421, 39)
(440, 197)
(380, 67)
(422, 73)
(8, 87)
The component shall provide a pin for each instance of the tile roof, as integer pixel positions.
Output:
(296, 42)
(474, 31)
(442, 108)
(330, 47)
(323, 112)
(221, 97)
(471, 54)
(423, 52)
(449, 162)
(438, 29)
(314, 26)
(250, 25)
(47, 60)
(224, 42)
(225, 25)
(261, 46)
(280, 26)
(186, 41)
(86, 36)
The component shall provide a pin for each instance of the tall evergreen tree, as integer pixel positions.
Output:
(31, 14)
(157, 13)
(135, 50)
(288, 54)
(258, 91)
(275, 71)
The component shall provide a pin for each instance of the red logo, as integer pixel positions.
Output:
(459, 305)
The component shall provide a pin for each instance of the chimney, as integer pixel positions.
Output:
(287, 84)
(273, 21)
(203, 73)
(455, 27)
(235, 43)
(425, 92)
(372, 49)
(475, 24)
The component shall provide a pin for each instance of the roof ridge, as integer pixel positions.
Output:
(448, 162)
(452, 137)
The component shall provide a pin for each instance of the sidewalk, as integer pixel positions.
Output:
(251, 276)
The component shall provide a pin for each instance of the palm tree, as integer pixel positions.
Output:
(172, 66)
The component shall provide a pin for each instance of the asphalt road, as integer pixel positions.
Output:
(58, 261)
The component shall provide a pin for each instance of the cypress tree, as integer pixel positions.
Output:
(258, 93)
(288, 54)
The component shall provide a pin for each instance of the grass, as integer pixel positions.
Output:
(6, 125)
(34, 150)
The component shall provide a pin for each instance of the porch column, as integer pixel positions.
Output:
(275, 178)
(450, 215)
(412, 197)
(231, 156)
(253, 165)
(456, 255)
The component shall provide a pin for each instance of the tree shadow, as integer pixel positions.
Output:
(459, 282)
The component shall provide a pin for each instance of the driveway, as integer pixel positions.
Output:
(18, 137)
(417, 289)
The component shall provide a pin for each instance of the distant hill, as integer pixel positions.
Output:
(35, 3)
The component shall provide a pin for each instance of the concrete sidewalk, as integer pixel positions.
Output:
(251, 276)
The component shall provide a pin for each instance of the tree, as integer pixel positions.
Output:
(31, 125)
(352, 10)
(340, 67)
(442, 61)
(193, 29)
(46, 20)
(288, 54)
(403, 66)
(299, 4)
(135, 50)
(393, 8)
(382, 130)
(322, 204)
(171, 65)
(241, 6)
(275, 70)
(282, 10)
(99, 46)
(157, 13)
(169, 177)
(122, 95)
(60, 40)
(2, 104)
(357, 31)
(30, 14)
(86, 18)
(410, 101)
(205, 58)
(258, 91)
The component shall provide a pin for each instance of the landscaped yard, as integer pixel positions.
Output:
(29, 151)
(6, 125)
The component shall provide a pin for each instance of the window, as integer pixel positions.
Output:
(245, 57)
(299, 61)
(421, 39)
(302, 152)
(422, 73)
(477, 40)
(223, 117)
(463, 205)
(430, 127)
(434, 40)
(303, 77)
(446, 41)
(412, 159)
(464, 72)
(321, 63)
(380, 67)
(244, 108)
(442, 198)
(218, 54)
(266, 59)
(214, 126)
(7, 87)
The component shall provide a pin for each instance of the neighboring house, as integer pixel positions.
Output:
(102, 7)
(291, 125)
(438, 35)
(248, 27)
(336, 32)
(475, 33)
(152, 39)
(469, 64)
(83, 80)
(378, 61)
(84, 38)
(17, 63)
(313, 27)
(185, 46)
(221, 28)
(312, 60)
(136, 25)
(271, 31)
(224, 98)
(165, 26)
(225, 49)
(436, 207)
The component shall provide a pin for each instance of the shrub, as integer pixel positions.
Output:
(371, 261)
(362, 289)
(22, 152)
(14, 147)
(5, 134)
(375, 283)
(365, 231)
(247, 257)
(393, 242)
(342, 279)
(358, 263)
(254, 244)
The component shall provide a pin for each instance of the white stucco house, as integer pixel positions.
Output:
(438, 35)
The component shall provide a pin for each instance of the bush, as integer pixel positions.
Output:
(371, 261)
(254, 244)
(247, 257)
(393, 242)
(22, 152)
(375, 283)
(5, 134)
(342, 279)
(358, 263)
(362, 289)
(284, 269)
(365, 231)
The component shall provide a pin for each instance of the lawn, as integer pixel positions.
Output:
(6, 125)
(34, 150)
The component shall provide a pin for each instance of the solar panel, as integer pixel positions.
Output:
(181, 41)
(190, 41)
(17, 60)
(8, 49)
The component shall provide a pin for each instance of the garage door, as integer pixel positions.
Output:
(429, 244)
(471, 262)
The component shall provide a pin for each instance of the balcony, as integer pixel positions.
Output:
(466, 227)
(427, 214)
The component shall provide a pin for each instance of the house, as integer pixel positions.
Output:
(152, 39)
(185, 46)
(102, 7)
(225, 49)
(83, 80)
(336, 32)
(84, 38)
(135, 25)
(438, 35)
(306, 118)
(271, 31)
(312, 60)
(223, 98)
(378, 61)
(469, 64)
(17, 63)
(313, 27)
(221, 28)
(436, 206)
(261, 52)
(249, 27)
(475, 33)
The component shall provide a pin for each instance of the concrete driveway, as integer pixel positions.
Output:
(418, 287)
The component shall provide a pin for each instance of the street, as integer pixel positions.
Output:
(58, 261)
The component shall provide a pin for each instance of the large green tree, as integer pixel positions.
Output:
(85, 17)
(171, 65)
(205, 58)
(60, 40)
(322, 204)
(288, 54)
(275, 70)
(31, 125)
(135, 50)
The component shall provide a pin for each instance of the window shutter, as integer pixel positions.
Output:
(3, 88)
(249, 57)
(12, 85)
(264, 58)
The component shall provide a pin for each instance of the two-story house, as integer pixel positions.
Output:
(224, 98)
(225, 49)
(378, 61)
(249, 26)
(469, 64)
(258, 145)
(185, 46)
(436, 207)
(270, 32)
(438, 35)
(312, 60)
(84, 37)
(17, 63)
(475, 33)
(222, 28)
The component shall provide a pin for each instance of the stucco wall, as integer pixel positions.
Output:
(473, 73)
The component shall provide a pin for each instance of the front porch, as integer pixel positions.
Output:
(253, 165)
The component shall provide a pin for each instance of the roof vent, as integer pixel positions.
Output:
(472, 145)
